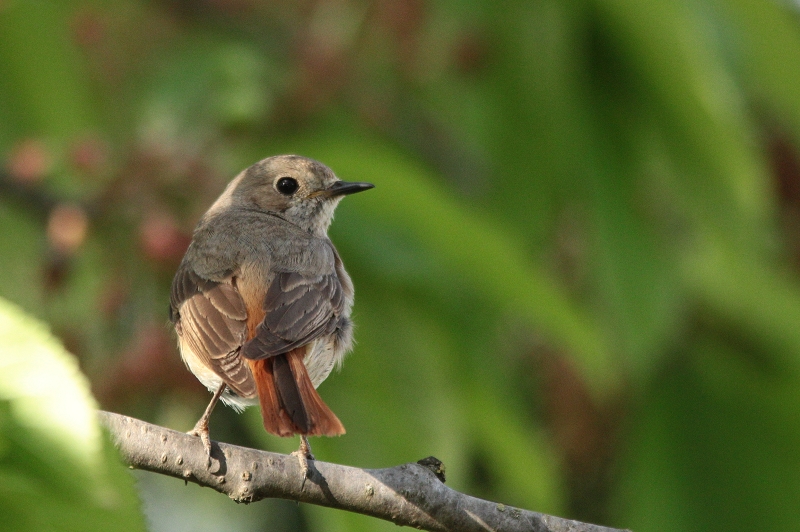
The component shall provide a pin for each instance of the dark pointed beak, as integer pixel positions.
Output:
(343, 188)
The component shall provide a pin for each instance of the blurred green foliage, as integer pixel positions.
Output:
(577, 277)
(57, 470)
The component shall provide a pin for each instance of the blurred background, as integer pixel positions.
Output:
(577, 279)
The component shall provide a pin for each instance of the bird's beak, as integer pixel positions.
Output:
(343, 188)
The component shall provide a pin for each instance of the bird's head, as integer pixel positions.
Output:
(300, 190)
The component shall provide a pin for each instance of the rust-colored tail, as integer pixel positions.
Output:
(289, 403)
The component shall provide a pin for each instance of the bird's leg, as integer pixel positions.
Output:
(201, 427)
(304, 455)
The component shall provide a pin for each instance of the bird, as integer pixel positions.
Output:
(261, 301)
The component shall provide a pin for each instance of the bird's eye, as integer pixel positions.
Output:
(286, 186)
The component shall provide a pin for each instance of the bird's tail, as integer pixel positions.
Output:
(289, 403)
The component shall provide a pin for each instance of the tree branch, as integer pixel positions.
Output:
(410, 494)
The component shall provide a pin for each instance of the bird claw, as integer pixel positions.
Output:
(303, 454)
(201, 432)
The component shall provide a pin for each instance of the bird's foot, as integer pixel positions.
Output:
(201, 430)
(303, 454)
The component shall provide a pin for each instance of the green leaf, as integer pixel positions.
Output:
(769, 42)
(713, 447)
(673, 55)
(754, 297)
(57, 471)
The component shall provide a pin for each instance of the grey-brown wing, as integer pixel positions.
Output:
(212, 319)
(299, 308)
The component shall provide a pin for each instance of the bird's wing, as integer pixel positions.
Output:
(299, 308)
(211, 318)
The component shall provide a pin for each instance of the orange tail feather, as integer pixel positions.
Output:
(275, 419)
(289, 403)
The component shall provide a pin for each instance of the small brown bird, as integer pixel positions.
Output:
(261, 301)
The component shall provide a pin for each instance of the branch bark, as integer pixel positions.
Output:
(410, 494)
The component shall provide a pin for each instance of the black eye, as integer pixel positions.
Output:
(286, 186)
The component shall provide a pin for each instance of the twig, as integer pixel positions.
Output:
(410, 494)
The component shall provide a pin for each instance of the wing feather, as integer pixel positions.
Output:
(212, 318)
(299, 308)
